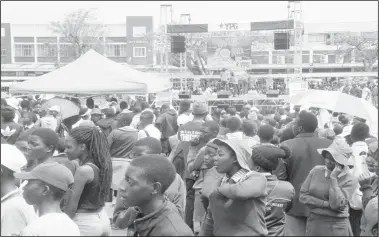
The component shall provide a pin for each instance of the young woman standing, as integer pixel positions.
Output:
(92, 180)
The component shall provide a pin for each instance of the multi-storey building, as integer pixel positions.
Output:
(32, 50)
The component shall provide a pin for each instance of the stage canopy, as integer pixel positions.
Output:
(91, 74)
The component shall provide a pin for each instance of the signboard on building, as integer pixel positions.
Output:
(139, 33)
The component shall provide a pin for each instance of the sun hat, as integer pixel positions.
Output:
(12, 158)
(199, 108)
(340, 151)
(51, 173)
(242, 150)
(13, 102)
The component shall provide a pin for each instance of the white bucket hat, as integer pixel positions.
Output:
(12, 158)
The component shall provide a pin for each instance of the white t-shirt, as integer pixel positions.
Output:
(52, 224)
(16, 214)
(151, 130)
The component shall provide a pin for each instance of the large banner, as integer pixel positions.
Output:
(233, 51)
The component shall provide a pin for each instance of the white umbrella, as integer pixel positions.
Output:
(341, 103)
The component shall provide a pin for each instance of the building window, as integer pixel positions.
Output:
(139, 52)
(116, 50)
(317, 38)
(2, 32)
(139, 31)
(66, 50)
(3, 52)
(47, 50)
(24, 50)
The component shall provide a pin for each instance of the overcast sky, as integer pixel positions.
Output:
(18, 12)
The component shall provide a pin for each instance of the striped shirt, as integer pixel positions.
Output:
(237, 177)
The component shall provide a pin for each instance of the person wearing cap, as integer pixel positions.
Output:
(16, 214)
(371, 215)
(187, 133)
(279, 193)
(14, 104)
(326, 193)
(96, 115)
(237, 204)
(50, 120)
(46, 187)
(84, 115)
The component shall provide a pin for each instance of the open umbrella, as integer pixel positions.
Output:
(339, 102)
(67, 107)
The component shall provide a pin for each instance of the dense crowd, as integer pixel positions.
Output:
(254, 172)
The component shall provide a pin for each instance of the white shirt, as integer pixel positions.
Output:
(16, 214)
(235, 135)
(151, 130)
(52, 224)
(184, 118)
(366, 93)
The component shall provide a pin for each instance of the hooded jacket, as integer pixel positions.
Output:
(167, 123)
(164, 222)
(121, 141)
(107, 125)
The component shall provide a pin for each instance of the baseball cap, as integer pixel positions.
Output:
(199, 108)
(12, 158)
(340, 151)
(55, 108)
(51, 173)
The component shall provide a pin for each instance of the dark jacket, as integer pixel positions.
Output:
(280, 195)
(121, 141)
(164, 222)
(176, 193)
(167, 124)
(304, 157)
(107, 125)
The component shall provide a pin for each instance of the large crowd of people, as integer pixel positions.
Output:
(253, 172)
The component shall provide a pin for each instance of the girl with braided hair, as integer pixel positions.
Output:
(92, 180)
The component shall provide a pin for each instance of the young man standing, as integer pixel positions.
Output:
(146, 180)
(16, 214)
(46, 187)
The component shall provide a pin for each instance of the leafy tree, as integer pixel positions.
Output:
(364, 48)
(82, 29)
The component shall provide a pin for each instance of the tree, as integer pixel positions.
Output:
(82, 30)
(363, 48)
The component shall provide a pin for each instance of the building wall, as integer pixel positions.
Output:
(139, 30)
(6, 43)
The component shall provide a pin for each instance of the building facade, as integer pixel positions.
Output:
(32, 50)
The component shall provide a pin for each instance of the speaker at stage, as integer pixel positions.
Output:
(223, 95)
(272, 94)
(184, 95)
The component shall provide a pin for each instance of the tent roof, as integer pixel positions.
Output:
(92, 73)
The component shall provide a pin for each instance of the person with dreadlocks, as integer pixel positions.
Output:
(93, 180)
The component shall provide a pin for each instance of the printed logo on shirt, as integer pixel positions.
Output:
(186, 136)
